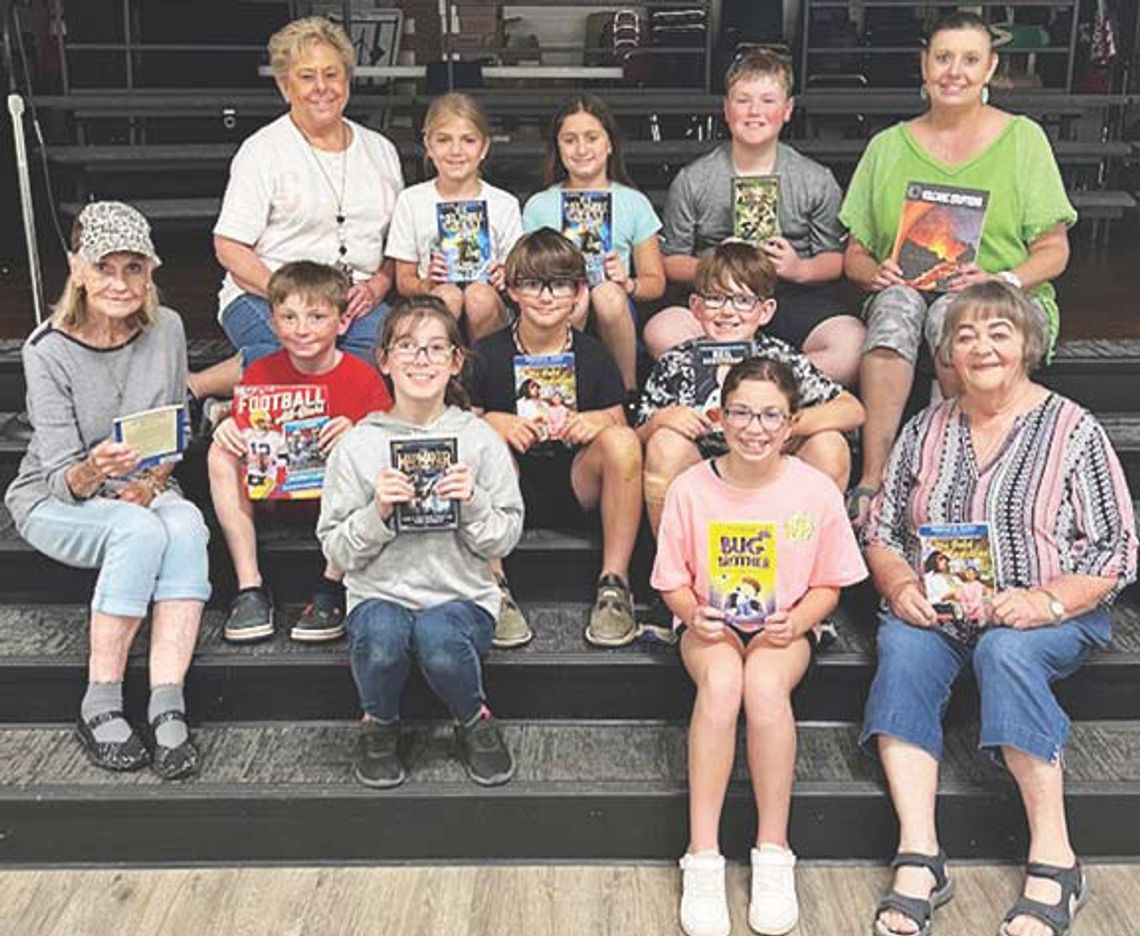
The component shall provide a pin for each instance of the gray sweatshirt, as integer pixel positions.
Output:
(421, 569)
(75, 391)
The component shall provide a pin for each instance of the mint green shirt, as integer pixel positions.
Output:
(1027, 196)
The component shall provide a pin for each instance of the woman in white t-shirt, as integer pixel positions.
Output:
(451, 234)
(311, 185)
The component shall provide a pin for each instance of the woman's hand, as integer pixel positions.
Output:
(909, 603)
(519, 433)
(230, 437)
(392, 487)
(789, 266)
(112, 459)
(708, 623)
(615, 270)
(457, 483)
(685, 420)
(137, 492)
(969, 274)
(437, 269)
(887, 274)
(331, 432)
(363, 297)
(1022, 608)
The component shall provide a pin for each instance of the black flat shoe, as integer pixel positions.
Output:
(111, 755)
(173, 763)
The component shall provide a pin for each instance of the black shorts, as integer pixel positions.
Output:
(547, 493)
(800, 308)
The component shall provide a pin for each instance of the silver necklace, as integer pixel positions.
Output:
(338, 194)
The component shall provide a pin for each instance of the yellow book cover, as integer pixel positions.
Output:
(742, 571)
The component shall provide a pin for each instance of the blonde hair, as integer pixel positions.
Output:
(996, 299)
(457, 106)
(294, 38)
(759, 63)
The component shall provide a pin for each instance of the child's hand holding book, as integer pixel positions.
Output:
(392, 487)
(457, 483)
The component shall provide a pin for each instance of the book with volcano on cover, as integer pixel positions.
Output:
(755, 208)
(742, 571)
(464, 239)
(940, 228)
(546, 391)
(587, 222)
(958, 576)
(425, 461)
(282, 424)
(711, 361)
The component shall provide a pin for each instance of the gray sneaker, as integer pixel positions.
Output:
(484, 752)
(378, 762)
(511, 629)
(612, 623)
(250, 618)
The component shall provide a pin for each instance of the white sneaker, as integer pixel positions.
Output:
(773, 909)
(704, 905)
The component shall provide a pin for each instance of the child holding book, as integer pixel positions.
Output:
(733, 301)
(807, 251)
(584, 169)
(753, 513)
(424, 594)
(450, 235)
(308, 303)
(596, 465)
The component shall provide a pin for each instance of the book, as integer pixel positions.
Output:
(546, 390)
(587, 222)
(158, 435)
(425, 461)
(755, 208)
(281, 423)
(710, 361)
(958, 576)
(464, 240)
(940, 228)
(742, 571)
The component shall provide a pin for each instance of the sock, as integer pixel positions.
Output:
(328, 594)
(105, 697)
(167, 698)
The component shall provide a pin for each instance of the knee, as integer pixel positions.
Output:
(767, 702)
(184, 526)
(377, 637)
(719, 694)
(481, 300)
(438, 646)
(610, 302)
(666, 451)
(139, 531)
(902, 651)
(452, 297)
(828, 451)
(1000, 658)
(669, 328)
(621, 449)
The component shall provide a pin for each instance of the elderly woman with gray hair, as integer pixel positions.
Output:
(1033, 473)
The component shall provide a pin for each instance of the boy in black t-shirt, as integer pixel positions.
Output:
(592, 459)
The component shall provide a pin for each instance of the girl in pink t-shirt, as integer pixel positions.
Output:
(753, 550)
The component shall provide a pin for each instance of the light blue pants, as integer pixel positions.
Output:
(143, 554)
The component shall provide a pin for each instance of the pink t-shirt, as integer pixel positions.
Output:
(814, 543)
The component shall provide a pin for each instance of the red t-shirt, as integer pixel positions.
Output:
(354, 389)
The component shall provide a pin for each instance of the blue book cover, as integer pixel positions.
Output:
(464, 240)
(587, 221)
(304, 461)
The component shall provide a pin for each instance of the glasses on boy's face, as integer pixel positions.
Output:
(739, 301)
(740, 417)
(559, 288)
(406, 351)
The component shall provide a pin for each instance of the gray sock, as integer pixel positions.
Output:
(167, 698)
(105, 697)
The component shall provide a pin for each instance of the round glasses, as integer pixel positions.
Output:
(740, 417)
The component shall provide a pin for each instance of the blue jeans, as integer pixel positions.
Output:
(1013, 669)
(143, 554)
(447, 641)
(246, 322)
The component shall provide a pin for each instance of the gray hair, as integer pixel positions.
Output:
(294, 38)
(998, 299)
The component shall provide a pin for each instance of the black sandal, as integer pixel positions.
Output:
(173, 763)
(111, 755)
(1058, 916)
(919, 911)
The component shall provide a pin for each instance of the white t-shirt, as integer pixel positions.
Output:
(415, 230)
(279, 202)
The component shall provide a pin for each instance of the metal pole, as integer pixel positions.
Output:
(27, 206)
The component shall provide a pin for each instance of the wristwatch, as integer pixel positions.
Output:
(1055, 607)
(1010, 277)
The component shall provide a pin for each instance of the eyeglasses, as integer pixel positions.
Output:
(407, 351)
(740, 417)
(559, 288)
(740, 302)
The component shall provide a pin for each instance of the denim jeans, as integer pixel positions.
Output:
(447, 642)
(142, 553)
(246, 323)
(1013, 669)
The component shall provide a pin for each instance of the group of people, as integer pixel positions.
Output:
(335, 277)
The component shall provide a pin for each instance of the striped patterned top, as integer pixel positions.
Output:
(1055, 494)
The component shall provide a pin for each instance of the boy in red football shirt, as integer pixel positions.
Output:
(308, 303)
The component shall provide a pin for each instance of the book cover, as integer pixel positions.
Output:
(587, 222)
(958, 576)
(464, 239)
(755, 208)
(280, 423)
(742, 571)
(158, 435)
(939, 230)
(546, 390)
(425, 461)
(711, 361)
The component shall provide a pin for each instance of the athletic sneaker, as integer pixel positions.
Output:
(322, 619)
(511, 628)
(773, 909)
(612, 623)
(704, 905)
(378, 761)
(250, 617)
(484, 752)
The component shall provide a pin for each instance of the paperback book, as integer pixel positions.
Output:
(587, 222)
(940, 228)
(158, 435)
(282, 424)
(711, 361)
(464, 240)
(958, 576)
(424, 461)
(546, 391)
(742, 571)
(755, 208)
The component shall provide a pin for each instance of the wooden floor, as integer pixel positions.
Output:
(464, 901)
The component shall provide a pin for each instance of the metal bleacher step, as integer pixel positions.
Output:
(611, 790)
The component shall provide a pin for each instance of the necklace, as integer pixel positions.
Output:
(338, 193)
(567, 345)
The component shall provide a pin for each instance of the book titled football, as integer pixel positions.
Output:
(281, 424)
(587, 222)
(546, 391)
(755, 208)
(158, 435)
(425, 461)
(940, 227)
(958, 576)
(742, 571)
(464, 240)
(711, 361)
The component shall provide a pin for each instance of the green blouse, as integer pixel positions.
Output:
(1027, 196)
